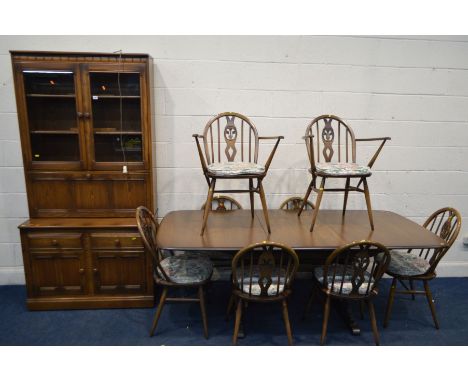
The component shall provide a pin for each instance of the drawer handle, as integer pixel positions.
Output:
(95, 270)
(117, 242)
(88, 176)
(81, 270)
(54, 243)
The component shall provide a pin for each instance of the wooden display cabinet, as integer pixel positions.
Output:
(85, 127)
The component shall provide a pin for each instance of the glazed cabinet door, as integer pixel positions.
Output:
(57, 264)
(50, 113)
(119, 263)
(115, 97)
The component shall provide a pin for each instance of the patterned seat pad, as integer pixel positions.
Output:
(407, 264)
(256, 290)
(350, 169)
(236, 168)
(347, 284)
(187, 268)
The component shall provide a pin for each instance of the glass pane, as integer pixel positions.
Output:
(55, 147)
(51, 114)
(118, 148)
(103, 84)
(106, 114)
(49, 82)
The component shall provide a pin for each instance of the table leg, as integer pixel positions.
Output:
(344, 310)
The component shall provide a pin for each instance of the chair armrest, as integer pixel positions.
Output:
(376, 154)
(197, 136)
(270, 157)
(200, 151)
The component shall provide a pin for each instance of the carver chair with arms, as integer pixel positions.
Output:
(174, 271)
(230, 151)
(332, 154)
(420, 265)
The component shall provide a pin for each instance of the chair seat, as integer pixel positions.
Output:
(407, 264)
(256, 290)
(187, 268)
(347, 284)
(342, 169)
(235, 168)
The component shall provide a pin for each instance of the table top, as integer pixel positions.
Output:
(233, 230)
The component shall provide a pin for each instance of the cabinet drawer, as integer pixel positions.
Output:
(50, 241)
(116, 241)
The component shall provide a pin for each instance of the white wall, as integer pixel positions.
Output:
(414, 89)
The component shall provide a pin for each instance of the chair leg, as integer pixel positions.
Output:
(264, 205)
(326, 314)
(158, 310)
(412, 288)
(373, 322)
(431, 303)
(286, 322)
(345, 201)
(317, 204)
(304, 201)
(238, 321)
(209, 199)
(231, 303)
(201, 296)
(368, 202)
(252, 201)
(391, 297)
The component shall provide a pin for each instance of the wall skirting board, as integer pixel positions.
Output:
(15, 275)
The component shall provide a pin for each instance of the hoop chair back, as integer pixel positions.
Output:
(354, 270)
(264, 271)
(445, 223)
(329, 139)
(223, 203)
(148, 228)
(294, 204)
(230, 137)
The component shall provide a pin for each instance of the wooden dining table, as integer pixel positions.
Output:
(229, 231)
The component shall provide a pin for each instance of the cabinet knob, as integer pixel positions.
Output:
(86, 115)
(79, 114)
(117, 241)
(81, 270)
(95, 270)
(54, 243)
(88, 176)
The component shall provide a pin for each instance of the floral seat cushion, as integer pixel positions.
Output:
(407, 264)
(256, 288)
(351, 169)
(347, 284)
(235, 168)
(187, 268)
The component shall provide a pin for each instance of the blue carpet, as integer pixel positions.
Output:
(180, 324)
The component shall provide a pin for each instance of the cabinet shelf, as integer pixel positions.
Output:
(56, 132)
(113, 132)
(38, 95)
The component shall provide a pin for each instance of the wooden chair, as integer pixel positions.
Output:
(223, 203)
(294, 204)
(176, 271)
(231, 144)
(263, 273)
(421, 266)
(352, 273)
(335, 140)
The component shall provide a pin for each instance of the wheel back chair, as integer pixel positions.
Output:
(351, 273)
(262, 273)
(421, 265)
(230, 145)
(223, 203)
(176, 271)
(294, 204)
(335, 140)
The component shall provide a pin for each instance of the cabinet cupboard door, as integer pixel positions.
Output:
(119, 272)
